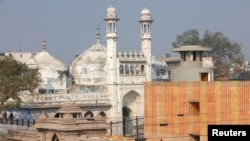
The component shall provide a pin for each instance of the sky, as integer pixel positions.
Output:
(70, 25)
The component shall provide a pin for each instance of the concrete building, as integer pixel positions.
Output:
(196, 64)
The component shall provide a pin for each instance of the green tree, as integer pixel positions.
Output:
(224, 51)
(15, 77)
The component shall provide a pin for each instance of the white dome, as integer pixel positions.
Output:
(48, 65)
(145, 12)
(111, 12)
(145, 15)
(88, 67)
(111, 9)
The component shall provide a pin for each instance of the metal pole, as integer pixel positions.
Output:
(111, 128)
(137, 128)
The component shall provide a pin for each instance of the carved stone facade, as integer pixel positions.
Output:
(67, 125)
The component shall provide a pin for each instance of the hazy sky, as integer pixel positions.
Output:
(70, 25)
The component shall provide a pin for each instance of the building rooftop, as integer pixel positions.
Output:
(191, 48)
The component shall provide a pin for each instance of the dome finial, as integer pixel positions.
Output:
(98, 33)
(44, 43)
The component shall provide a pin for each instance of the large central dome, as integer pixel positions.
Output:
(88, 67)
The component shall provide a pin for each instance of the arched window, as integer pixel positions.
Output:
(126, 69)
(110, 27)
(137, 69)
(132, 70)
(149, 28)
(57, 115)
(144, 28)
(113, 28)
(142, 69)
(88, 115)
(121, 69)
(102, 114)
(55, 138)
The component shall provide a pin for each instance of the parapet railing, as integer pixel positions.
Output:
(20, 122)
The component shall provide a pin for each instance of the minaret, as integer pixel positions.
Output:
(146, 39)
(111, 64)
(111, 36)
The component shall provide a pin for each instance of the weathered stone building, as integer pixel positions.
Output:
(68, 124)
(99, 80)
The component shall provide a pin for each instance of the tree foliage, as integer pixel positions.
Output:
(15, 77)
(224, 51)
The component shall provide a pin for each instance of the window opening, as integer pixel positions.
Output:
(194, 107)
(121, 69)
(142, 69)
(132, 69)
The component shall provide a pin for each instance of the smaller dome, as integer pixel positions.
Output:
(46, 61)
(145, 15)
(145, 12)
(111, 13)
(111, 9)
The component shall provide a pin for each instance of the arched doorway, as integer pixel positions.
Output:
(125, 112)
(127, 122)
(55, 138)
(133, 102)
(131, 107)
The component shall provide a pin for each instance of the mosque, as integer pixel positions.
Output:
(102, 81)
